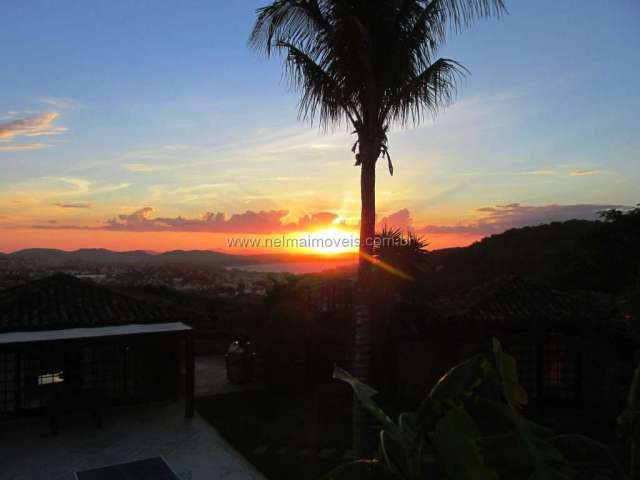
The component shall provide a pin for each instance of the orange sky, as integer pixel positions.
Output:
(12, 240)
(159, 144)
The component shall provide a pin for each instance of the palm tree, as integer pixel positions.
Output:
(369, 64)
(404, 257)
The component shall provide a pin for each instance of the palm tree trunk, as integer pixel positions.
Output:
(363, 433)
(367, 216)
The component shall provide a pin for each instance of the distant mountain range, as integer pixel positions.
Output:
(529, 250)
(51, 256)
(590, 255)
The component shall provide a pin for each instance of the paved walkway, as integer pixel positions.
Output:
(192, 448)
(211, 377)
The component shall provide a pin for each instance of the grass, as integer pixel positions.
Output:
(314, 427)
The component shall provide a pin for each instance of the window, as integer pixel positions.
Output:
(41, 367)
(549, 370)
(560, 368)
(50, 378)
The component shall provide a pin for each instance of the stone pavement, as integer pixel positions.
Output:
(191, 447)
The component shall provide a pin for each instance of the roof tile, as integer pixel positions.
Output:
(64, 301)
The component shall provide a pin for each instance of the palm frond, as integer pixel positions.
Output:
(423, 25)
(322, 95)
(422, 32)
(405, 252)
(461, 13)
(431, 90)
(370, 62)
(293, 21)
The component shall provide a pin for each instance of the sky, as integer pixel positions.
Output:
(150, 124)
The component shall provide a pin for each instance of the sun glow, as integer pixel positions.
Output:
(330, 241)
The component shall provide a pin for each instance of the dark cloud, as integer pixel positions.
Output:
(248, 222)
(492, 220)
(54, 225)
(22, 147)
(34, 126)
(72, 205)
(503, 217)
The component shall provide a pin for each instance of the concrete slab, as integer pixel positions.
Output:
(191, 447)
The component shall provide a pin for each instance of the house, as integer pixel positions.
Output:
(67, 343)
(573, 348)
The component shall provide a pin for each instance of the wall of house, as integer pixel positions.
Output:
(119, 370)
(7, 383)
(587, 371)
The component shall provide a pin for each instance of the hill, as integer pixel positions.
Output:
(103, 256)
(55, 257)
(590, 255)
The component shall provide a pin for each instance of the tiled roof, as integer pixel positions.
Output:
(63, 301)
(514, 302)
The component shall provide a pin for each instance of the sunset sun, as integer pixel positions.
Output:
(331, 241)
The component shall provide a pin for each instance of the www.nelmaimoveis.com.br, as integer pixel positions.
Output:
(311, 241)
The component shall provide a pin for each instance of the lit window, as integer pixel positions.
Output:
(50, 378)
(560, 368)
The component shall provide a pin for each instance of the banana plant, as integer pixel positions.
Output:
(470, 427)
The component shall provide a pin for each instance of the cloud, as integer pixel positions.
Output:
(316, 220)
(271, 221)
(82, 186)
(139, 167)
(489, 221)
(541, 172)
(584, 173)
(503, 217)
(261, 222)
(23, 147)
(61, 103)
(72, 205)
(400, 219)
(138, 220)
(34, 126)
(78, 183)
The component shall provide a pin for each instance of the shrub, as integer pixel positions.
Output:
(469, 427)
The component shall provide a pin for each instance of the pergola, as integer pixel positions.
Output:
(69, 344)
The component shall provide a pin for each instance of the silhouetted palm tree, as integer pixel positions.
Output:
(401, 268)
(403, 256)
(370, 64)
